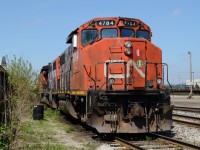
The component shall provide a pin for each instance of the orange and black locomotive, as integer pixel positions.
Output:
(111, 77)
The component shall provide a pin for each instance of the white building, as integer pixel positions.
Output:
(194, 82)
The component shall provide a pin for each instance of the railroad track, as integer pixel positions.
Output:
(188, 120)
(196, 125)
(187, 109)
(157, 142)
(187, 123)
(176, 142)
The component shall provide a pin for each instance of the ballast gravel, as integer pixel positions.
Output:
(187, 134)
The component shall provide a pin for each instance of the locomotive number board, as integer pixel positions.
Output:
(106, 23)
(130, 23)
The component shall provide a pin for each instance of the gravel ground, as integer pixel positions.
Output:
(105, 147)
(179, 100)
(185, 133)
(181, 132)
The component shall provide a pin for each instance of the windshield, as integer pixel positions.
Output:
(108, 33)
(143, 34)
(89, 36)
(127, 32)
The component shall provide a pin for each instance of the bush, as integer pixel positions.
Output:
(22, 94)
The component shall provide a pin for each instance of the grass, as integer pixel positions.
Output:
(148, 138)
(39, 134)
(45, 147)
(51, 133)
(69, 129)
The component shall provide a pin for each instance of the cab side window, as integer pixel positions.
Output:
(143, 34)
(89, 36)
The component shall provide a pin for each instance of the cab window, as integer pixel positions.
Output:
(89, 36)
(127, 32)
(108, 33)
(143, 34)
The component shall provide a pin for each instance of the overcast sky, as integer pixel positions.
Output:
(36, 30)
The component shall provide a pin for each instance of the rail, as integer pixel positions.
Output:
(174, 141)
(154, 144)
(127, 144)
(188, 122)
(188, 109)
(187, 117)
(197, 125)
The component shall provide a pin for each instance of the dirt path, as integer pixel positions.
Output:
(53, 133)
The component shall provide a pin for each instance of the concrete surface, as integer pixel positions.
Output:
(181, 100)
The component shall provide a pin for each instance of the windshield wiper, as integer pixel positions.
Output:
(132, 34)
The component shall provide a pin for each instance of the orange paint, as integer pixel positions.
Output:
(88, 60)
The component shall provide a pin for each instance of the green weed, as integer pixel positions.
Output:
(37, 134)
(69, 129)
(148, 138)
(45, 147)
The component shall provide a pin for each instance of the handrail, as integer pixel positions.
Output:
(156, 63)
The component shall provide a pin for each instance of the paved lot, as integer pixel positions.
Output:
(181, 100)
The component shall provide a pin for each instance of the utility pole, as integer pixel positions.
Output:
(190, 95)
(193, 80)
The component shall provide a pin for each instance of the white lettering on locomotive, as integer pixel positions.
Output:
(129, 63)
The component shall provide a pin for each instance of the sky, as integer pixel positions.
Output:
(36, 30)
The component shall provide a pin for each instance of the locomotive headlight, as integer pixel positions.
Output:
(128, 44)
(128, 51)
(159, 81)
(111, 81)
